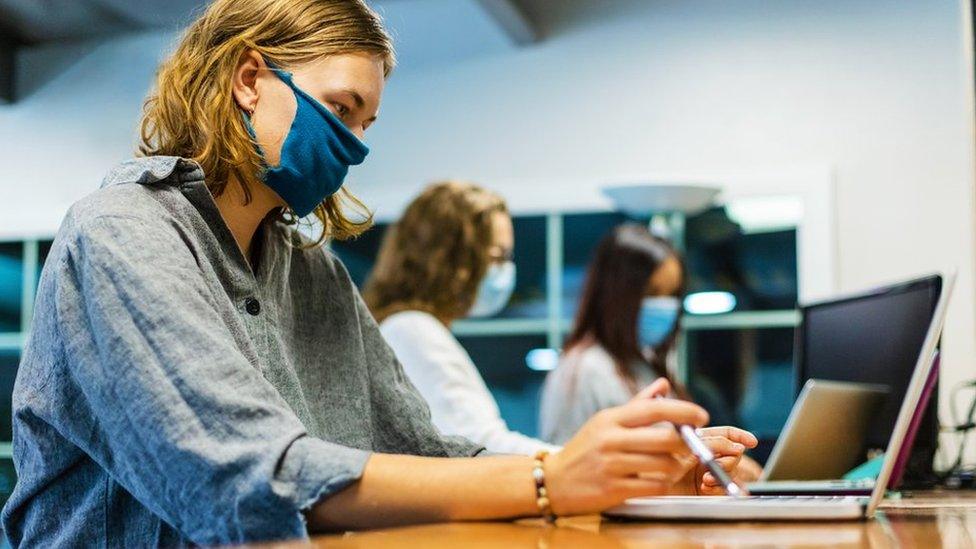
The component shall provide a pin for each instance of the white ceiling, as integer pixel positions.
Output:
(434, 32)
(425, 31)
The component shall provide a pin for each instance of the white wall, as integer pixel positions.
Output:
(57, 142)
(877, 91)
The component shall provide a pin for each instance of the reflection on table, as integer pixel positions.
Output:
(931, 519)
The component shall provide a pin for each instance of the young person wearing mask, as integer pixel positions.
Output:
(448, 257)
(198, 373)
(625, 330)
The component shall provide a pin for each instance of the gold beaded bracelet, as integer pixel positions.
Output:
(541, 494)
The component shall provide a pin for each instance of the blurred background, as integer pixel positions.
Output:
(837, 134)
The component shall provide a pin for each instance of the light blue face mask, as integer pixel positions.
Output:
(656, 320)
(495, 290)
(315, 155)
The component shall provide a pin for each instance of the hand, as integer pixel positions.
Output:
(748, 470)
(728, 444)
(619, 454)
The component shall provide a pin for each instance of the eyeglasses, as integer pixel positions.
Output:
(497, 255)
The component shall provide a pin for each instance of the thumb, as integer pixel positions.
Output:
(661, 387)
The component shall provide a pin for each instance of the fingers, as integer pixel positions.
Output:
(728, 464)
(660, 467)
(716, 490)
(748, 470)
(662, 439)
(638, 413)
(705, 490)
(660, 387)
(721, 446)
(734, 434)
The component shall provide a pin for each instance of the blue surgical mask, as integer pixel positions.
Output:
(315, 155)
(656, 320)
(494, 290)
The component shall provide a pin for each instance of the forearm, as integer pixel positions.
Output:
(396, 490)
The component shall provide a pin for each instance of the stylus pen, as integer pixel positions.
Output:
(701, 451)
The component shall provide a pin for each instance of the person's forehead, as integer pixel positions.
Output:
(667, 278)
(358, 77)
(504, 233)
(361, 71)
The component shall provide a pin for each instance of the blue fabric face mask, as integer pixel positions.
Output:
(656, 320)
(315, 155)
(494, 290)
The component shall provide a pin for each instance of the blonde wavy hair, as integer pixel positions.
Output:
(435, 256)
(192, 112)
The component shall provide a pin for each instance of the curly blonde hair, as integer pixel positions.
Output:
(192, 112)
(433, 258)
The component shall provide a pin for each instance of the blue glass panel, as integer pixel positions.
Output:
(11, 285)
(758, 268)
(43, 249)
(359, 254)
(744, 378)
(9, 359)
(529, 298)
(8, 477)
(581, 235)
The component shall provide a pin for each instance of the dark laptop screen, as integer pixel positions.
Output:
(875, 337)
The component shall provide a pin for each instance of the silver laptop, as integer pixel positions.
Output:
(827, 414)
(804, 507)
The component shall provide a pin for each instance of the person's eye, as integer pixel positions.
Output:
(340, 110)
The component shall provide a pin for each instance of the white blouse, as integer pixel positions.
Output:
(443, 372)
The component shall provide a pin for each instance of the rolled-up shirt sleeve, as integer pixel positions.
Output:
(173, 409)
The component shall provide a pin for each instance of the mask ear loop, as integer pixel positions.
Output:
(249, 111)
(285, 76)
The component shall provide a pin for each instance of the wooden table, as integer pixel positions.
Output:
(923, 520)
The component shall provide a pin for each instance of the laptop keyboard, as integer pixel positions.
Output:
(799, 498)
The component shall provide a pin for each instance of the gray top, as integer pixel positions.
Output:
(585, 382)
(169, 395)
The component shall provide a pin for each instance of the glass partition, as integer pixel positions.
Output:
(743, 377)
(529, 299)
(582, 233)
(11, 286)
(359, 254)
(9, 358)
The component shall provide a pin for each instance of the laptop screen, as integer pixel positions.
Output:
(874, 337)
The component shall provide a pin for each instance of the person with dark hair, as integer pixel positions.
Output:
(200, 372)
(625, 327)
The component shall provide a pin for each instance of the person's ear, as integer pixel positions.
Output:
(245, 80)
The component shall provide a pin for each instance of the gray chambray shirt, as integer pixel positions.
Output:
(168, 395)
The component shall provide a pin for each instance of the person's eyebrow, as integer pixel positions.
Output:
(355, 96)
(358, 99)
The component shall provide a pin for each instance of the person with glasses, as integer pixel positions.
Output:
(449, 257)
(200, 372)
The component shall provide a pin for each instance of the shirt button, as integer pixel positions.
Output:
(252, 306)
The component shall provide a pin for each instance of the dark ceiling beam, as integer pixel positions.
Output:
(511, 17)
(8, 55)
